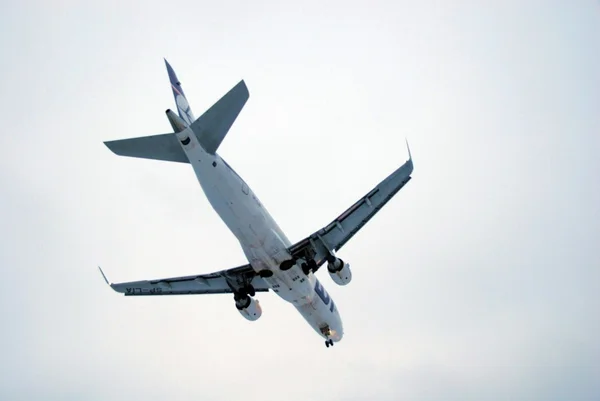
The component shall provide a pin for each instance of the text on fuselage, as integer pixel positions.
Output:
(324, 295)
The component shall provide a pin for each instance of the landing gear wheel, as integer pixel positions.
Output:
(241, 301)
(287, 265)
(245, 291)
(249, 290)
(328, 343)
(305, 268)
(309, 266)
(265, 273)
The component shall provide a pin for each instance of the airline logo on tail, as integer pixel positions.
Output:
(183, 107)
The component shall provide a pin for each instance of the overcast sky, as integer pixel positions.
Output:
(479, 281)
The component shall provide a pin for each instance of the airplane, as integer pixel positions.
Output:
(274, 263)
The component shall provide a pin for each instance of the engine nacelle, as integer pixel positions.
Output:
(249, 308)
(339, 271)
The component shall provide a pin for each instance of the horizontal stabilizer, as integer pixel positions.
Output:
(213, 125)
(157, 147)
(210, 129)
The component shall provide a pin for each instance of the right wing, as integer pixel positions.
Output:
(223, 282)
(329, 239)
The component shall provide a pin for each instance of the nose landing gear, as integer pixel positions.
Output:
(326, 331)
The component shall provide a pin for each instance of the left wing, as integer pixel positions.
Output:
(223, 282)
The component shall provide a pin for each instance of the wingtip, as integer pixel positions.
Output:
(103, 276)
(410, 160)
(109, 145)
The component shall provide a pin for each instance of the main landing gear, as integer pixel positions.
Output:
(287, 264)
(329, 342)
(307, 267)
(244, 292)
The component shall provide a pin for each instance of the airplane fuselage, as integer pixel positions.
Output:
(262, 240)
(274, 263)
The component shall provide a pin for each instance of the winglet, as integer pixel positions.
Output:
(104, 276)
(409, 163)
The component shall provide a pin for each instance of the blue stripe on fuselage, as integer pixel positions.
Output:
(320, 290)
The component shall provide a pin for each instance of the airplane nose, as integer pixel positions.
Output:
(338, 331)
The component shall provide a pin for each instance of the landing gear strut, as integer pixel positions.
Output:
(326, 331)
(241, 301)
(242, 296)
(248, 290)
(309, 266)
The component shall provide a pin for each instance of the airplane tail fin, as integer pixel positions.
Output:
(210, 129)
(183, 107)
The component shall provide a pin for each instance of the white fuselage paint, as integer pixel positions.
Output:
(261, 239)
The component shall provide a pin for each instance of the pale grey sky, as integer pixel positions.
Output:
(478, 281)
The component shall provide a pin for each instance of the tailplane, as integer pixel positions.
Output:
(210, 129)
(214, 124)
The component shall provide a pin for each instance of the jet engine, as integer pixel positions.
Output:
(339, 271)
(248, 307)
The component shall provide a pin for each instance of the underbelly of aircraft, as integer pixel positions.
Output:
(292, 285)
(264, 245)
(325, 321)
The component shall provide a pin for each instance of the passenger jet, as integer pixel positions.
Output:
(274, 263)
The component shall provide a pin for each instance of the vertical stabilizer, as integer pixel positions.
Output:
(183, 107)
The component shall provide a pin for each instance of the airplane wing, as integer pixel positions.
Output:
(333, 236)
(223, 282)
